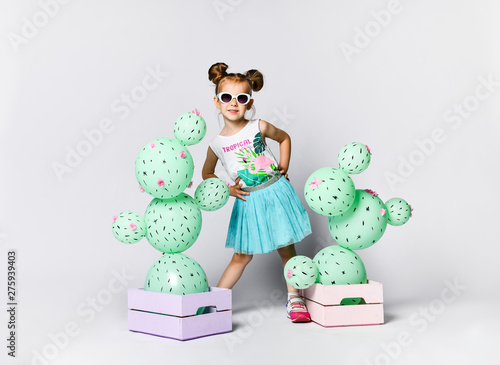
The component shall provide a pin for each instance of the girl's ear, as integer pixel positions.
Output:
(216, 102)
(249, 105)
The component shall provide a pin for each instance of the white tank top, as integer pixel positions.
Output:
(246, 155)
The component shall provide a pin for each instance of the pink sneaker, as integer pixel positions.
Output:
(297, 311)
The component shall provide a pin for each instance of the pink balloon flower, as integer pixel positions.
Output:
(315, 183)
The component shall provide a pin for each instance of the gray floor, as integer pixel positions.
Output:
(462, 331)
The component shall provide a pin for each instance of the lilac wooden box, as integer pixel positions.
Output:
(174, 316)
(323, 303)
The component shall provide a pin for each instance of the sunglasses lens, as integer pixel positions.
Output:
(243, 99)
(226, 98)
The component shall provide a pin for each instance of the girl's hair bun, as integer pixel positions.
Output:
(256, 79)
(217, 71)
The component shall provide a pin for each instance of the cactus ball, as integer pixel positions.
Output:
(363, 224)
(339, 266)
(128, 227)
(300, 272)
(173, 224)
(329, 191)
(176, 274)
(398, 211)
(164, 168)
(354, 158)
(190, 128)
(211, 194)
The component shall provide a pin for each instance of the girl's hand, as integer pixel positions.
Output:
(236, 191)
(283, 172)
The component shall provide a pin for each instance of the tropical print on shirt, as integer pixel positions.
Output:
(257, 167)
(246, 155)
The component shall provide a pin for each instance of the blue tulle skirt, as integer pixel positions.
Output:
(270, 218)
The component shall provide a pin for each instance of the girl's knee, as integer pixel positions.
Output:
(241, 258)
(287, 251)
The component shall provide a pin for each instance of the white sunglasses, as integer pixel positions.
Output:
(242, 99)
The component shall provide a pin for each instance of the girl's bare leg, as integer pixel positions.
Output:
(286, 253)
(234, 270)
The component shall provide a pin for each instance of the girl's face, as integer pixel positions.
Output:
(233, 111)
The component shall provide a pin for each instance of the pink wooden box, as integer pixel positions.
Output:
(323, 303)
(174, 316)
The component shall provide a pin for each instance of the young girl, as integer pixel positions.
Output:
(267, 213)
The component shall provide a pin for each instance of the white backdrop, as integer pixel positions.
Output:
(87, 83)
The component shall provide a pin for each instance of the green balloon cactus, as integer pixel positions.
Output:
(172, 221)
(329, 191)
(398, 211)
(176, 274)
(211, 194)
(164, 168)
(190, 128)
(129, 227)
(357, 219)
(173, 224)
(339, 265)
(300, 272)
(362, 225)
(354, 158)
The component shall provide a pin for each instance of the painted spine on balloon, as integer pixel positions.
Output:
(172, 220)
(357, 219)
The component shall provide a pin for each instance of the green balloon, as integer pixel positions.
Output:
(351, 301)
(176, 274)
(329, 191)
(211, 194)
(129, 227)
(164, 168)
(362, 225)
(190, 128)
(339, 266)
(174, 224)
(354, 158)
(300, 272)
(398, 211)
